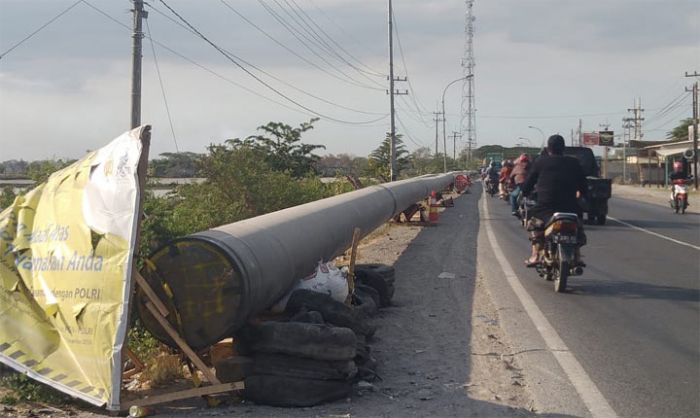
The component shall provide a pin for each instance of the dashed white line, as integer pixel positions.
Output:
(646, 231)
(590, 395)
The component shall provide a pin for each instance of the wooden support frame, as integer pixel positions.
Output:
(189, 393)
(356, 234)
(160, 312)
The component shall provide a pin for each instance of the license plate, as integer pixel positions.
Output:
(566, 239)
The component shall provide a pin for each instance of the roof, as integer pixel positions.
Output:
(668, 149)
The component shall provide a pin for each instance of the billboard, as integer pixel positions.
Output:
(606, 138)
(66, 252)
(590, 138)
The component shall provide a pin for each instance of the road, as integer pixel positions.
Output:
(633, 319)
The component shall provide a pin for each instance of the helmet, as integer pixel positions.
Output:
(677, 166)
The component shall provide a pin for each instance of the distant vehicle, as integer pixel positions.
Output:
(679, 197)
(599, 189)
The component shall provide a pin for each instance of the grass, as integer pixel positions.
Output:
(26, 390)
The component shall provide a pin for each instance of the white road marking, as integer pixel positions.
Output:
(646, 231)
(590, 395)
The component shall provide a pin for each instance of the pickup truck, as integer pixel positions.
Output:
(599, 189)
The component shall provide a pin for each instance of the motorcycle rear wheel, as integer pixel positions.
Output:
(561, 274)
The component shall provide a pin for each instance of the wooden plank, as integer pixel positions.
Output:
(189, 393)
(351, 268)
(150, 294)
(211, 377)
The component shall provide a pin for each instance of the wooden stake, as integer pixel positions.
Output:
(351, 268)
(189, 393)
(211, 377)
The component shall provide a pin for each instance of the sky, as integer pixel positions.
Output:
(542, 63)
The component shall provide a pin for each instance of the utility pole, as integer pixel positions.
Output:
(137, 35)
(572, 137)
(696, 116)
(580, 132)
(455, 135)
(626, 133)
(605, 126)
(392, 169)
(468, 94)
(635, 122)
(437, 120)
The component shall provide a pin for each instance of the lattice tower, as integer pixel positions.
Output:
(468, 115)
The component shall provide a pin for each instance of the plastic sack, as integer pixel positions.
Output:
(327, 279)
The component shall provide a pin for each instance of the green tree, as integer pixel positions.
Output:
(379, 161)
(282, 147)
(680, 132)
(39, 171)
(7, 197)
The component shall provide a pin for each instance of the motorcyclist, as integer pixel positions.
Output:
(676, 175)
(504, 178)
(492, 174)
(518, 176)
(560, 180)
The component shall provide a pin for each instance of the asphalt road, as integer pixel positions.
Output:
(633, 319)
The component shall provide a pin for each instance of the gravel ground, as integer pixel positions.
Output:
(440, 349)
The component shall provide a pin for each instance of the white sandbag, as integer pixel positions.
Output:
(327, 279)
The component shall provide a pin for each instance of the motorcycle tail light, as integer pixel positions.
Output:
(560, 226)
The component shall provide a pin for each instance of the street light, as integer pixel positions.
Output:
(444, 117)
(525, 139)
(542, 133)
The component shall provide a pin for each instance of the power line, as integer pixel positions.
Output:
(248, 63)
(413, 96)
(291, 51)
(339, 46)
(408, 134)
(298, 35)
(323, 45)
(162, 88)
(258, 79)
(210, 71)
(26, 38)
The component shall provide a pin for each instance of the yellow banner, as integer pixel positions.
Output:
(66, 251)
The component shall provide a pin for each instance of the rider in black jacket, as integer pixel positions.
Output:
(559, 180)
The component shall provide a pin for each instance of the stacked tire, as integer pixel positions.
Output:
(319, 352)
(379, 277)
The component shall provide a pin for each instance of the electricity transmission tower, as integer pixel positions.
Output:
(468, 121)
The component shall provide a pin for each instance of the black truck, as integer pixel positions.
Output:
(599, 189)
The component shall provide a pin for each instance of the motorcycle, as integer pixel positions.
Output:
(679, 196)
(559, 256)
(491, 186)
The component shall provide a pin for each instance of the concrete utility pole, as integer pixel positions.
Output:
(637, 119)
(437, 120)
(696, 116)
(468, 93)
(626, 133)
(605, 126)
(393, 169)
(137, 35)
(580, 132)
(455, 135)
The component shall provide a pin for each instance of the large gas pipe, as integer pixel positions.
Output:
(215, 280)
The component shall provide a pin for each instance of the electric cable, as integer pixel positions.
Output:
(299, 36)
(26, 38)
(291, 51)
(258, 79)
(277, 78)
(162, 88)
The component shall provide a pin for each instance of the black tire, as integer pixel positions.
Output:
(388, 273)
(600, 219)
(676, 206)
(292, 391)
(333, 312)
(314, 341)
(561, 275)
(291, 366)
(368, 291)
(364, 302)
(384, 287)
